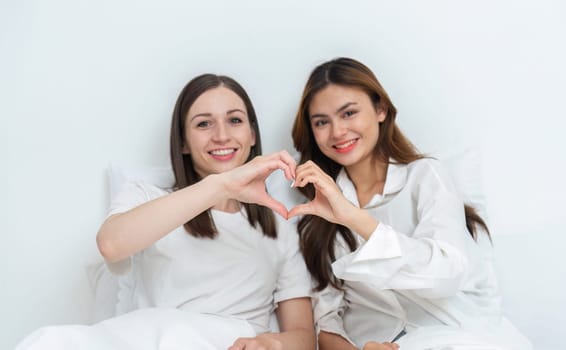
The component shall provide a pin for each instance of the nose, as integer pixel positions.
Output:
(339, 128)
(221, 133)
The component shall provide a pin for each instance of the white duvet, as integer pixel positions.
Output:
(144, 329)
(172, 329)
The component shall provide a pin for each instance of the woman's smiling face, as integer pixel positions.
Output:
(345, 124)
(218, 134)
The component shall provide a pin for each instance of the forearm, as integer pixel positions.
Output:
(361, 221)
(124, 234)
(332, 341)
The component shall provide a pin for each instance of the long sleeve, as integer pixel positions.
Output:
(328, 309)
(429, 259)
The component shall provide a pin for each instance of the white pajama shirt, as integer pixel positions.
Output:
(419, 270)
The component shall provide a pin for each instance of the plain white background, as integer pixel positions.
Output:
(84, 84)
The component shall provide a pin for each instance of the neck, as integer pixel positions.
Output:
(228, 206)
(368, 176)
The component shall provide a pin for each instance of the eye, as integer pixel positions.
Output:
(236, 120)
(320, 122)
(350, 113)
(203, 124)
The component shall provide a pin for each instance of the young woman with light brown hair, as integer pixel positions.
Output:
(391, 245)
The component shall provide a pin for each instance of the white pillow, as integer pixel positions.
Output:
(118, 175)
(109, 295)
(105, 289)
(465, 167)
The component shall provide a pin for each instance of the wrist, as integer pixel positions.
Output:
(217, 184)
(363, 223)
(274, 343)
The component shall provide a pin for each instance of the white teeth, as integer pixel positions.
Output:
(222, 152)
(344, 145)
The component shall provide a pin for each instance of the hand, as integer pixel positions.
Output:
(328, 202)
(371, 345)
(261, 342)
(246, 183)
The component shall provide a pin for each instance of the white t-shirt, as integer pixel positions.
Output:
(420, 267)
(241, 273)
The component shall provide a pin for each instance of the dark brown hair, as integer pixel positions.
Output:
(318, 236)
(185, 175)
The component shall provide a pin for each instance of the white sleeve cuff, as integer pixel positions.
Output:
(383, 244)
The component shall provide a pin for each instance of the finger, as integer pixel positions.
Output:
(269, 165)
(310, 165)
(301, 174)
(325, 186)
(274, 205)
(312, 171)
(289, 160)
(301, 209)
(239, 344)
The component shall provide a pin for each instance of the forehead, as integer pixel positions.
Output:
(217, 100)
(335, 96)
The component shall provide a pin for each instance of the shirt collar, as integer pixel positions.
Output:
(394, 182)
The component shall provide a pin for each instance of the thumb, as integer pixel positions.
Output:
(239, 344)
(301, 209)
(274, 205)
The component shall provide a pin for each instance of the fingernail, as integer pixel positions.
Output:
(292, 183)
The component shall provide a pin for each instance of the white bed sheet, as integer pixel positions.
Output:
(144, 329)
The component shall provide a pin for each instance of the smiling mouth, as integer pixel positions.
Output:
(223, 152)
(345, 146)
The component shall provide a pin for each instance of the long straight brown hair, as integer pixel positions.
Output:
(318, 236)
(185, 175)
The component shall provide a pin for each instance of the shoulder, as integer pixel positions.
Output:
(141, 188)
(430, 171)
(424, 165)
(134, 193)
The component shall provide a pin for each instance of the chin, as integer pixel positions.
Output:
(344, 160)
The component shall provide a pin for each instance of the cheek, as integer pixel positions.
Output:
(319, 136)
(193, 141)
(245, 136)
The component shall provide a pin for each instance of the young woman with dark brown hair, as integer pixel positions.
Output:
(208, 260)
(390, 244)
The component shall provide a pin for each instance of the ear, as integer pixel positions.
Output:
(381, 113)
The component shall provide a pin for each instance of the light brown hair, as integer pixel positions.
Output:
(318, 236)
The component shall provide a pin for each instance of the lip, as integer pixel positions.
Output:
(345, 146)
(223, 154)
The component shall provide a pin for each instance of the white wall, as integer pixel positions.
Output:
(85, 83)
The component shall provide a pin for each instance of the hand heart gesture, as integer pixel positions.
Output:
(246, 183)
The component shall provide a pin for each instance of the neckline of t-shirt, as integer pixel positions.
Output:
(227, 213)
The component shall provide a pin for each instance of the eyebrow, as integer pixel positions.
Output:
(210, 114)
(344, 106)
(235, 110)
